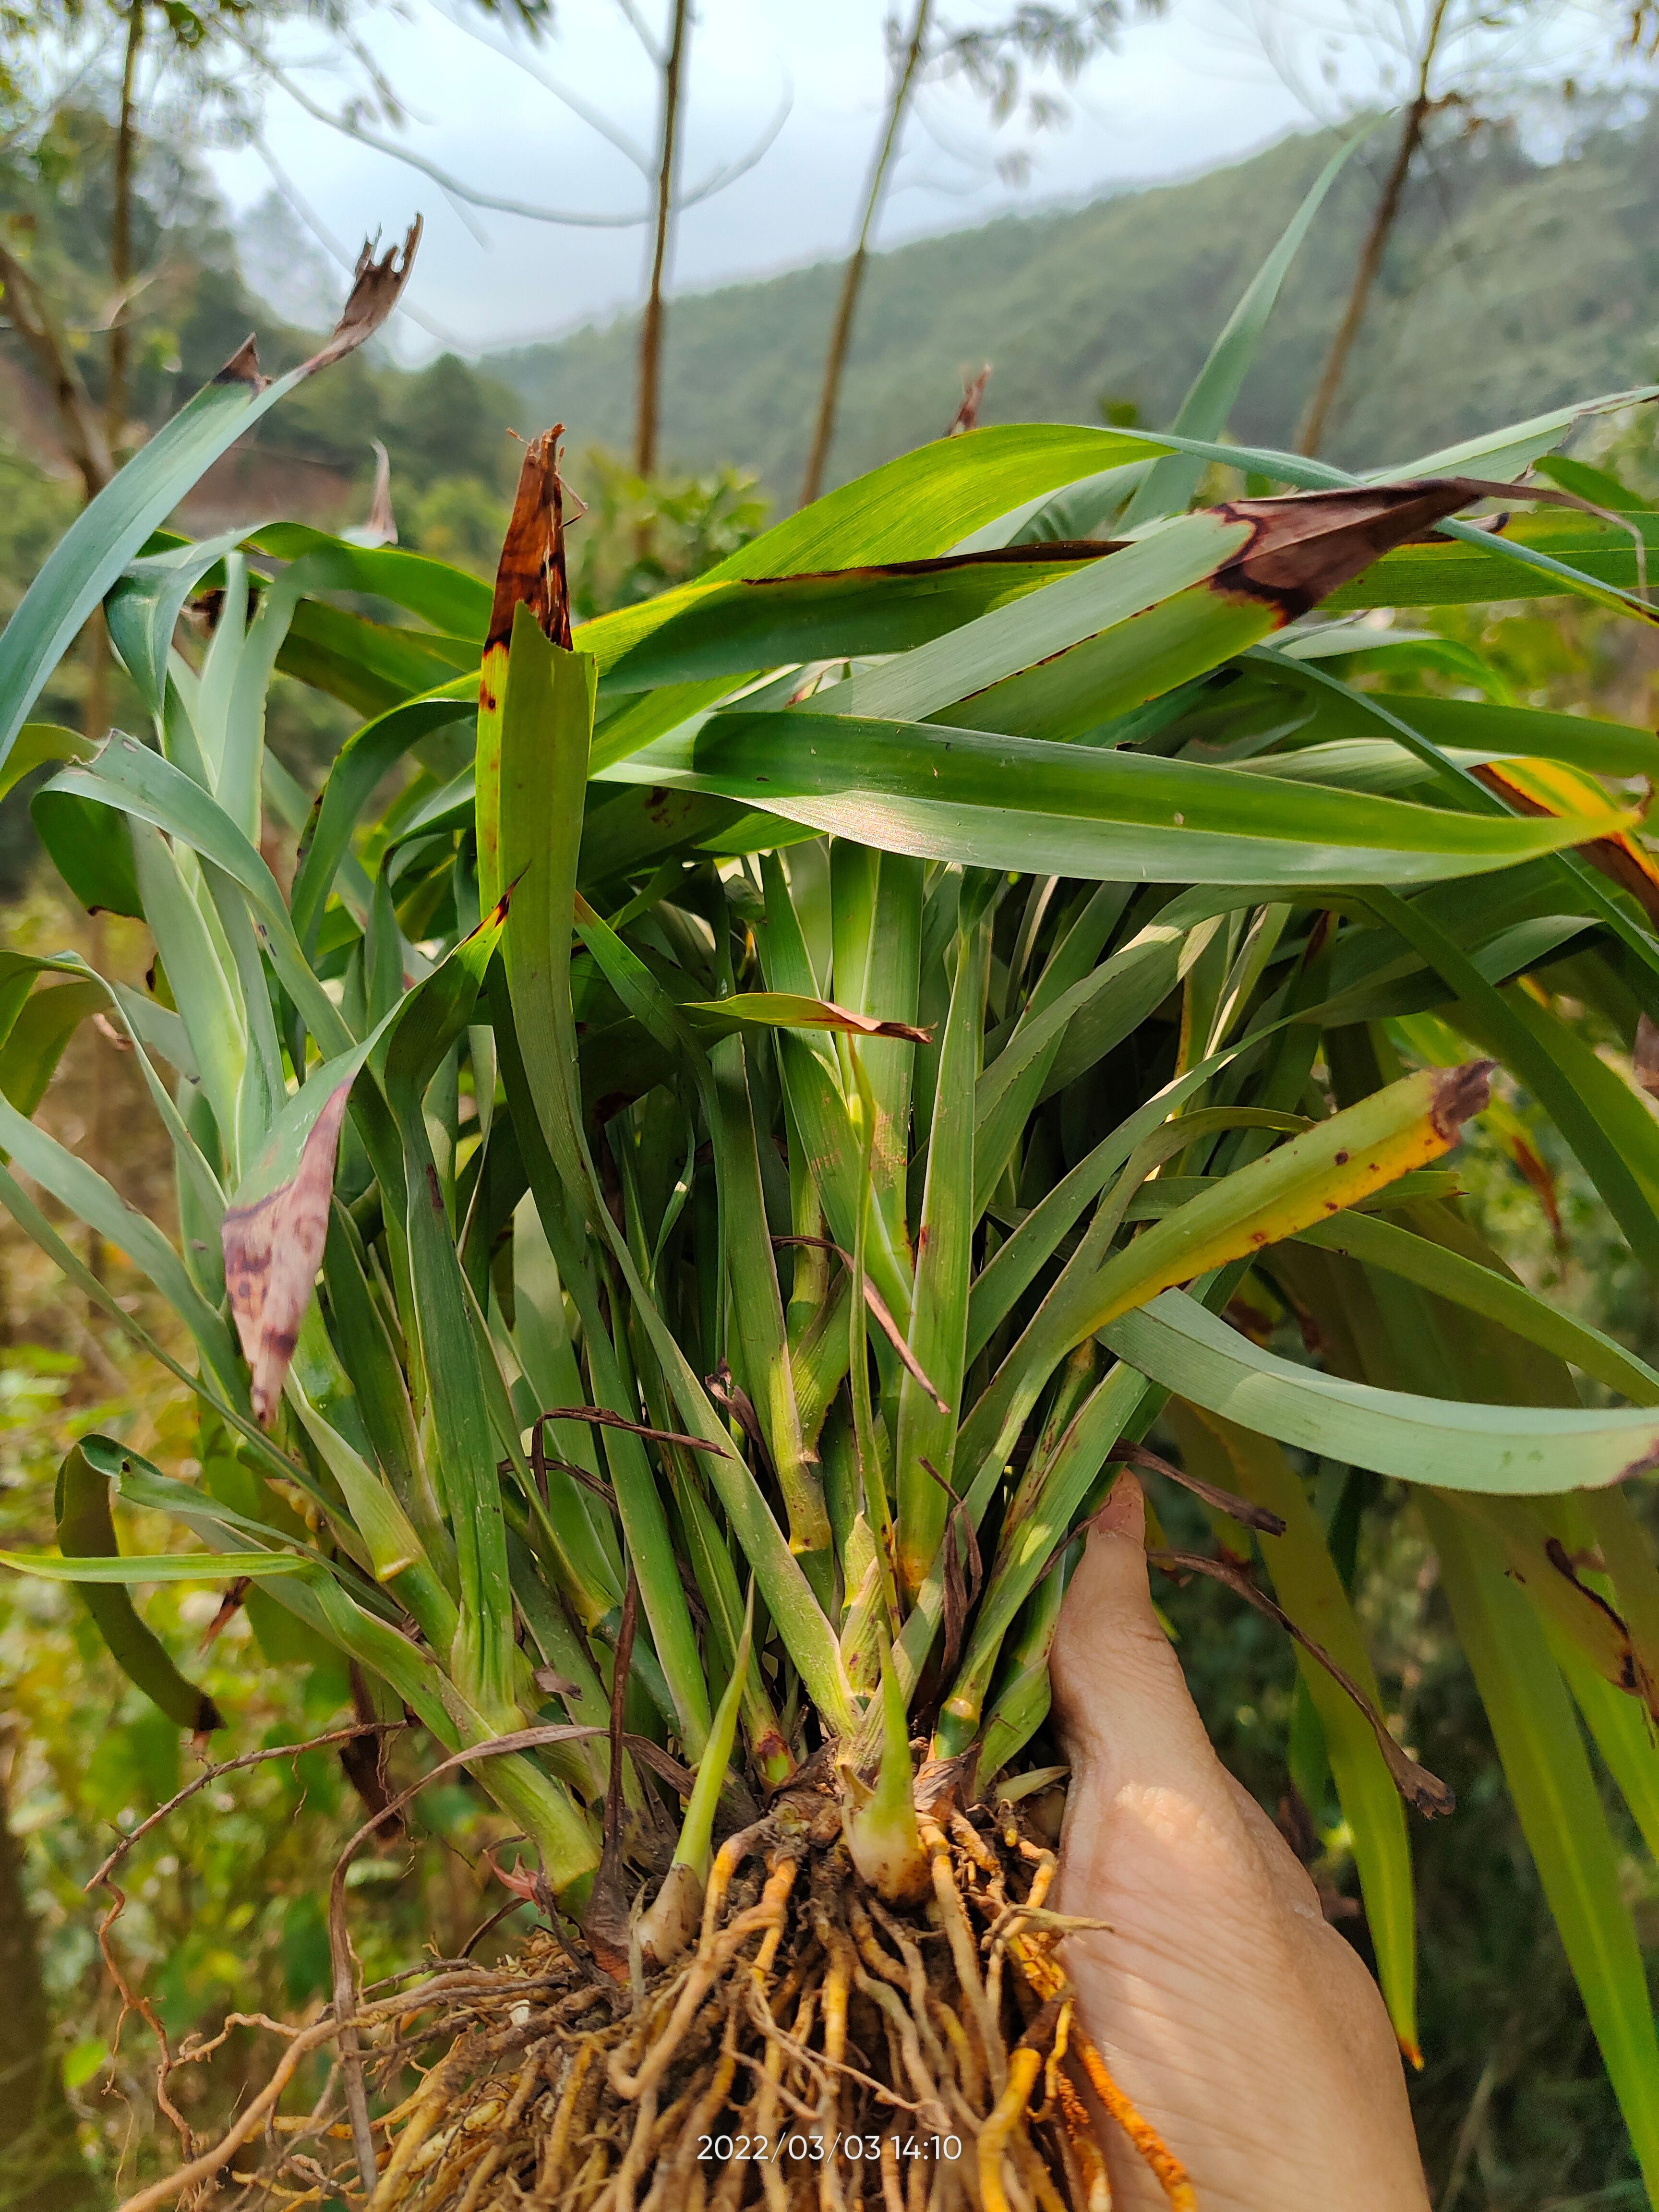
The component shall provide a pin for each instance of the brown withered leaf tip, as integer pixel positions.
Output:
(1461, 1093)
(532, 572)
(243, 366)
(272, 1252)
(1620, 860)
(966, 417)
(377, 286)
(1306, 546)
(381, 526)
(867, 1025)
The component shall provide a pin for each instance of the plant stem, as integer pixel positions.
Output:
(651, 330)
(853, 277)
(120, 242)
(1383, 218)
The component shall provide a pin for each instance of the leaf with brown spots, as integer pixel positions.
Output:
(273, 1244)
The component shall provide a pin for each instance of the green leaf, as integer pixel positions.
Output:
(786, 1010)
(988, 801)
(928, 1413)
(1203, 413)
(1478, 726)
(39, 743)
(109, 530)
(1309, 1587)
(36, 1040)
(756, 1304)
(1533, 559)
(705, 631)
(447, 598)
(927, 500)
(1092, 603)
(1550, 1780)
(368, 666)
(91, 848)
(142, 610)
(85, 1527)
(1504, 1449)
(360, 766)
(1484, 1289)
(129, 776)
(427, 1022)
(156, 1567)
(80, 1186)
(1552, 1063)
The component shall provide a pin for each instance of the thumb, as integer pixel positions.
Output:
(1120, 1698)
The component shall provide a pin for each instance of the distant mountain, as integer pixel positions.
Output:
(1512, 285)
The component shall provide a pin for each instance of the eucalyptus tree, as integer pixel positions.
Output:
(993, 57)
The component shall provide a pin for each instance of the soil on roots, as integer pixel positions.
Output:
(812, 2048)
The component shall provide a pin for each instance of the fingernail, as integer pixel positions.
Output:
(1124, 1513)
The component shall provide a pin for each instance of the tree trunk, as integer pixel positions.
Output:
(42, 2169)
(645, 430)
(120, 240)
(1385, 215)
(851, 281)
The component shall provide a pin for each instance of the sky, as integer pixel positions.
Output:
(800, 83)
(806, 81)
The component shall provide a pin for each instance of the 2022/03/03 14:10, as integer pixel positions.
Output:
(773, 2149)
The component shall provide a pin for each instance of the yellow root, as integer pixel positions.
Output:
(806, 2057)
(1171, 2172)
(1008, 2113)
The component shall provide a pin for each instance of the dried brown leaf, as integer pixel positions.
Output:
(531, 570)
(966, 417)
(377, 287)
(1415, 1784)
(1224, 1501)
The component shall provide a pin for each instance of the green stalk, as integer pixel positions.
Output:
(667, 1928)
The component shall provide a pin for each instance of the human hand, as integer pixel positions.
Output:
(1246, 2030)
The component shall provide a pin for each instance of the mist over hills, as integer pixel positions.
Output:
(1512, 284)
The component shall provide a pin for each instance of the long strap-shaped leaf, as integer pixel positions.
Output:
(989, 800)
(1549, 1776)
(1310, 1590)
(1519, 1450)
(129, 776)
(1483, 1290)
(756, 1304)
(1203, 413)
(74, 1183)
(360, 765)
(105, 536)
(928, 1413)
(1529, 1055)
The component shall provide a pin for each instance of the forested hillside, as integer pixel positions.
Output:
(1510, 285)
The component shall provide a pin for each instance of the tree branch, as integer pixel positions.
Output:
(823, 430)
(25, 309)
(494, 202)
